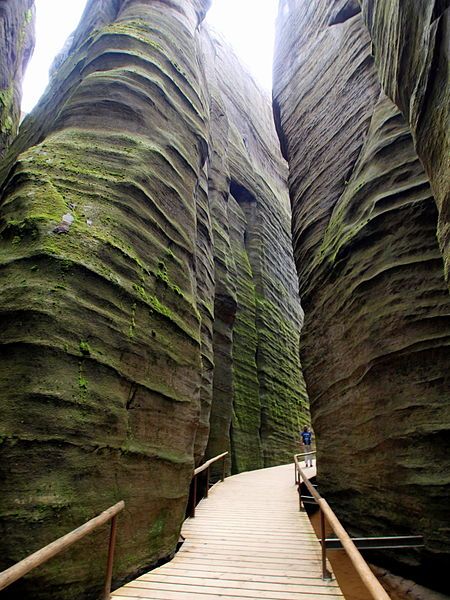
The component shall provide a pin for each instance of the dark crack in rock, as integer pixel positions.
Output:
(257, 312)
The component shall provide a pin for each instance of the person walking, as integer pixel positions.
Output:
(306, 441)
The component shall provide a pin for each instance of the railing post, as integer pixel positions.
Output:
(207, 483)
(326, 575)
(299, 488)
(110, 562)
(194, 497)
(223, 468)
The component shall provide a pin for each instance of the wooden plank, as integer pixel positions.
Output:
(257, 578)
(243, 591)
(245, 550)
(248, 540)
(285, 548)
(254, 567)
(239, 567)
(179, 595)
(255, 559)
(247, 532)
(230, 559)
(244, 573)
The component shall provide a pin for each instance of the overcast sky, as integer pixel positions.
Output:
(247, 24)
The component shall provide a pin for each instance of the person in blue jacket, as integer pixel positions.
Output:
(306, 436)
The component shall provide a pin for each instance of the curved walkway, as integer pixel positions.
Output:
(248, 540)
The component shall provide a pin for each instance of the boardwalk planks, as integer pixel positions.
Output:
(248, 540)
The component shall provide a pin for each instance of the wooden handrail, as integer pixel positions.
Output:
(373, 585)
(41, 556)
(209, 462)
(305, 453)
(296, 456)
(197, 471)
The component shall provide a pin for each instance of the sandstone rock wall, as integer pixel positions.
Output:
(16, 45)
(146, 310)
(411, 42)
(100, 323)
(375, 341)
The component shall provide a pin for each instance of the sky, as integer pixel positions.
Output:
(248, 25)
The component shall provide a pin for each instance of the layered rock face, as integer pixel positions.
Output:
(148, 306)
(16, 45)
(375, 342)
(411, 42)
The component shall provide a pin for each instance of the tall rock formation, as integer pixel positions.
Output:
(376, 338)
(148, 302)
(257, 313)
(16, 45)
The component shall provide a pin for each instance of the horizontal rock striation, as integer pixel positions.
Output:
(411, 44)
(375, 342)
(16, 46)
(145, 313)
(99, 315)
(319, 106)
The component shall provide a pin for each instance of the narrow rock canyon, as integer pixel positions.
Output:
(188, 268)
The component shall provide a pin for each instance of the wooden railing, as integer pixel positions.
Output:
(296, 461)
(205, 467)
(41, 556)
(362, 568)
(44, 554)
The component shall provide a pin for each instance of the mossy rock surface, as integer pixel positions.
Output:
(148, 315)
(101, 334)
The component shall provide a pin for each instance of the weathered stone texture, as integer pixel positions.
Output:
(16, 46)
(100, 324)
(131, 303)
(376, 337)
(328, 108)
(257, 302)
(411, 42)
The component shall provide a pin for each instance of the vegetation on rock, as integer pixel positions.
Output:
(128, 297)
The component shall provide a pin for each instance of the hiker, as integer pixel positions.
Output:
(306, 441)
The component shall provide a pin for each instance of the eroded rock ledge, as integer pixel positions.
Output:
(149, 312)
(411, 42)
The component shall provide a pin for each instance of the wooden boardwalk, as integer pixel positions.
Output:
(248, 540)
